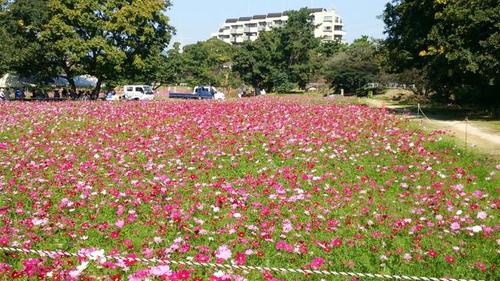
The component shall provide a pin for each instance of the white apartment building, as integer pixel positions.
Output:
(329, 26)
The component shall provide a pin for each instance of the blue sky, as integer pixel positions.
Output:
(196, 20)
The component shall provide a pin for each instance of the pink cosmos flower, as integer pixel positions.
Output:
(32, 266)
(482, 215)
(223, 252)
(478, 194)
(287, 226)
(282, 245)
(182, 275)
(139, 275)
(449, 259)
(240, 259)
(337, 242)
(5, 267)
(455, 226)
(161, 270)
(481, 266)
(120, 223)
(432, 253)
(201, 258)
(316, 263)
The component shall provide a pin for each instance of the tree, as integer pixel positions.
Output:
(329, 48)
(110, 39)
(20, 25)
(456, 43)
(209, 62)
(6, 52)
(323, 53)
(174, 66)
(280, 58)
(258, 62)
(296, 46)
(353, 68)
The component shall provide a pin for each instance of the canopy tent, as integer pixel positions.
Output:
(14, 81)
(83, 81)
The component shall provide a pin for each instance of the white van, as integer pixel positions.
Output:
(138, 92)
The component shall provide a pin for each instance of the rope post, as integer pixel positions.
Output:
(466, 133)
(419, 110)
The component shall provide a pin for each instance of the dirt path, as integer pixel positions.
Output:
(466, 133)
(470, 135)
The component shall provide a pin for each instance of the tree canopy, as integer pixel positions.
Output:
(282, 57)
(108, 39)
(353, 66)
(456, 44)
(209, 62)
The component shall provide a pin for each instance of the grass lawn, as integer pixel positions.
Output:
(291, 182)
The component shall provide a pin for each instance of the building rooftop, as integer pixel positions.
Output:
(316, 10)
(270, 15)
(259, 17)
(274, 15)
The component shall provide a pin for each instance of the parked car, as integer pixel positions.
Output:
(138, 92)
(200, 93)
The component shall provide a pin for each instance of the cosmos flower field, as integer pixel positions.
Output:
(264, 182)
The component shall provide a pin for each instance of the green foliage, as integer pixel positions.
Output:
(456, 44)
(296, 46)
(353, 67)
(282, 57)
(4, 44)
(209, 62)
(20, 25)
(173, 70)
(282, 83)
(330, 48)
(109, 39)
(257, 62)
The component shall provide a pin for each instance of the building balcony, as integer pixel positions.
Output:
(252, 29)
(328, 19)
(237, 31)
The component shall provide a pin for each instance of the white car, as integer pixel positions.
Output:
(138, 92)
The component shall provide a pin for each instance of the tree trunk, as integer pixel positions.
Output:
(72, 84)
(98, 86)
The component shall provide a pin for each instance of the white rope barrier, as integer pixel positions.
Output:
(55, 254)
(421, 115)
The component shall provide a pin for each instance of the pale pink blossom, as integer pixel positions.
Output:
(223, 252)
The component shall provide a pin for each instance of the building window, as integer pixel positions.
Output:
(328, 19)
